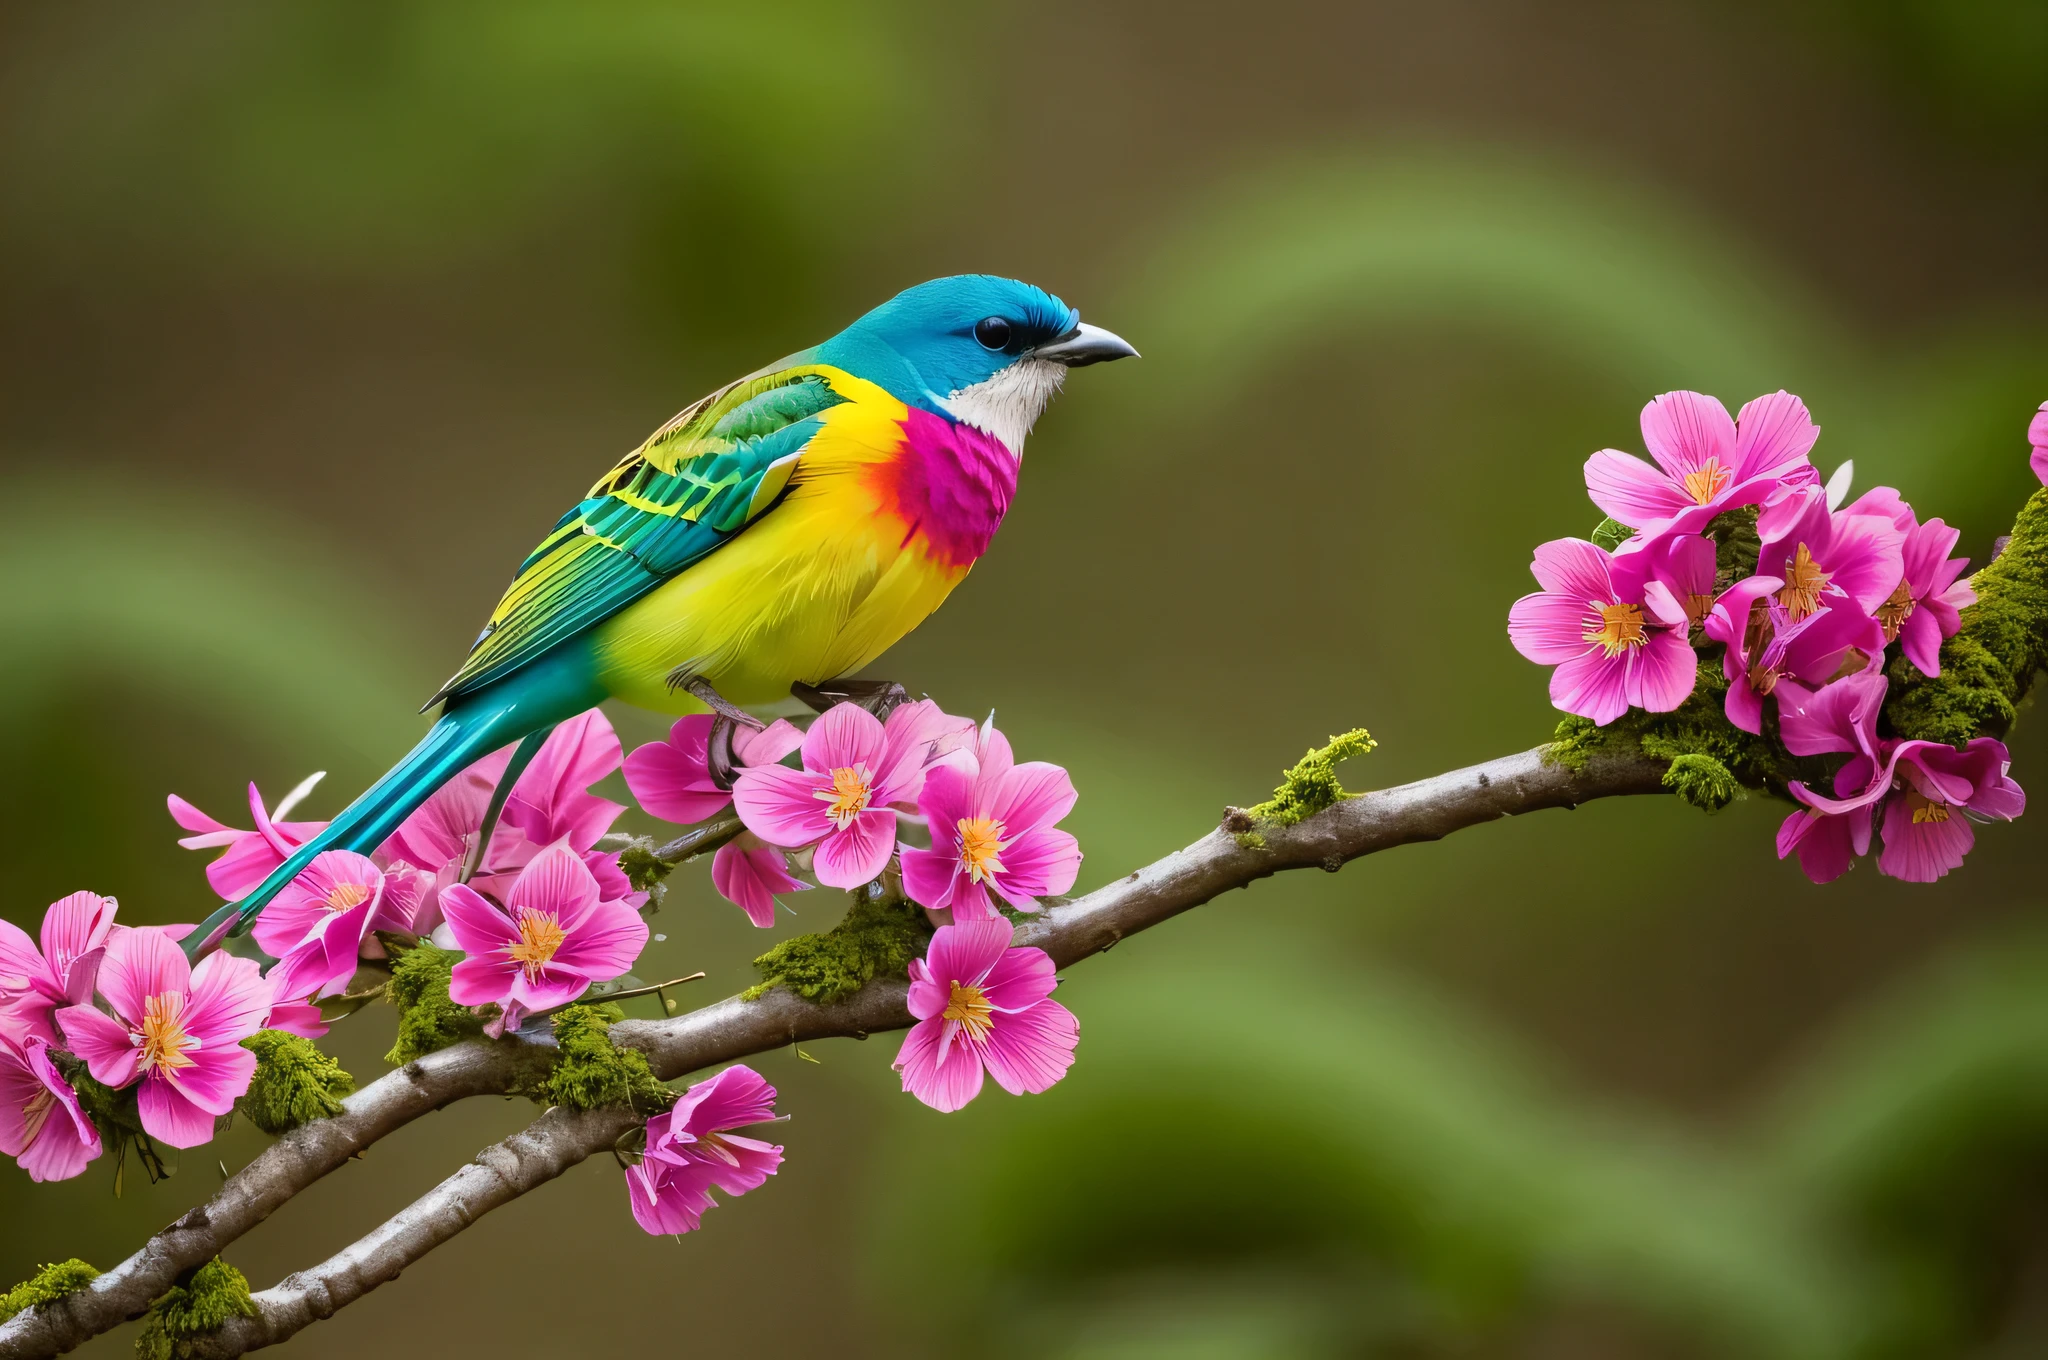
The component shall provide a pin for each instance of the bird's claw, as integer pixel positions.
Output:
(879, 697)
(720, 760)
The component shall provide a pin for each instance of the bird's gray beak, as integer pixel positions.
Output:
(1084, 345)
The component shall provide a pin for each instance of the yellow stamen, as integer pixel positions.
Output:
(980, 842)
(1707, 481)
(848, 795)
(1756, 639)
(1621, 627)
(164, 1040)
(342, 896)
(969, 1009)
(540, 935)
(1897, 608)
(1804, 584)
(1925, 809)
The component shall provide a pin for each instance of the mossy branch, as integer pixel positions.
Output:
(593, 1073)
(880, 935)
(428, 1020)
(1992, 661)
(295, 1083)
(1306, 789)
(217, 1292)
(46, 1286)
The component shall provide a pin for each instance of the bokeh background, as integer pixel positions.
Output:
(313, 315)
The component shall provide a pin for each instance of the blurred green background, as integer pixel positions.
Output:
(314, 315)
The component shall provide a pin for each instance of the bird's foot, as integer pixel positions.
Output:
(727, 718)
(879, 697)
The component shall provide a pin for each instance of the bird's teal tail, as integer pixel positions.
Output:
(474, 726)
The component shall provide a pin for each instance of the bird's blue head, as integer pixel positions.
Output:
(988, 351)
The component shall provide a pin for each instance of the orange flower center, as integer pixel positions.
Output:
(342, 896)
(165, 1043)
(969, 1009)
(1707, 481)
(1925, 809)
(1621, 627)
(1897, 608)
(540, 935)
(1804, 584)
(980, 841)
(848, 796)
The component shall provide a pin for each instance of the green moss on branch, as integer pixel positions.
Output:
(592, 1073)
(46, 1286)
(216, 1293)
(427, 1019)
(1312, 784)
(878, 938)
(1991, 662)
(295, 1083)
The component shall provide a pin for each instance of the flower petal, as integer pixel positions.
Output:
(844, 736)
(967, 951)
(778, 805)
(141, 964)
(1772, 432)
(1630, 491)
(945, 1083)
(858, 852)
(1682, 430)
(171, 1117)
(110, 1054)
(1028, 1052)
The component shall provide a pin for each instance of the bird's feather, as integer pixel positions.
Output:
(694, 484)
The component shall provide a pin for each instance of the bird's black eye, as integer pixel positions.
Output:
(993, 332)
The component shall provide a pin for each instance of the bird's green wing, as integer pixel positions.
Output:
(695, 483)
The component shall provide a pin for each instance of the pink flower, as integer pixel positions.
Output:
(1616, 636)
(315, 926)
(672, 780)
(33, 983)
(690, 1149)
(41, 1125)
(1684, 565)
(981, 1004)
(1918, 789)
(252, 855)
(993, 826)
(1923, 610)
(856, 773)
(1706, 463)
(1764, 644)
(550, 802)
(2037, 435)
(176, 1028)
(1828, 560)
(552, 939)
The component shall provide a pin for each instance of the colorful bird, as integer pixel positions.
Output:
(777, 535)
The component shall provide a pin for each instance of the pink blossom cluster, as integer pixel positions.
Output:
(539, 913)
(1836, 589)
(540, 916)
(93, 996)
(982, 1003)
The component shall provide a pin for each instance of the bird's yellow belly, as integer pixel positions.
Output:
(815, 590)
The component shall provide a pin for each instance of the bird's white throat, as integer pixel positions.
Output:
(1010, 403)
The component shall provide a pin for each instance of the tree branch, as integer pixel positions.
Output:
(725, 1032)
